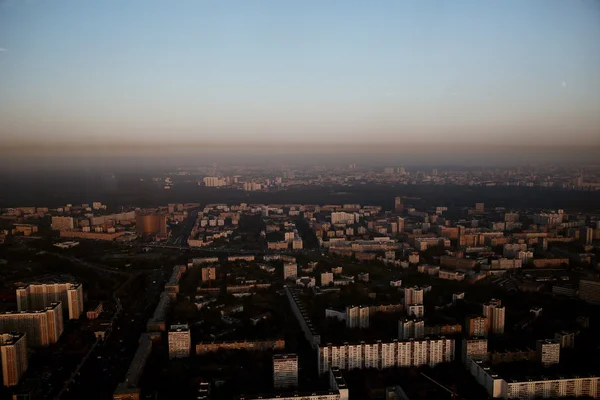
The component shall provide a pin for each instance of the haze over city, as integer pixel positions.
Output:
(337, 77)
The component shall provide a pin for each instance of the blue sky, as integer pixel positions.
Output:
(326, 70)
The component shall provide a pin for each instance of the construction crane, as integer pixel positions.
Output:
(453, 395)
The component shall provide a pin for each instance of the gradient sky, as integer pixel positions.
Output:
(516, 71)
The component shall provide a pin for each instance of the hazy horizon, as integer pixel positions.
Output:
(431, 78)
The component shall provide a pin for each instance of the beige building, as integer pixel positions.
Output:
(394, 354)
(13, 350)
(42, 327)
(209, 274)
(477, 326)
(38, 296)
(62, 223)
(180, 341)
(290, 270)
(495, 313)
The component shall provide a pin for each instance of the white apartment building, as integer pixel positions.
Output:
(344, 218)
(13, 352)
(214, 181)
(386, 355)
(410, 328)
(531, 388)
(285, 371)
(180, 341)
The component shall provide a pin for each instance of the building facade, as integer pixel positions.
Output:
(409, 353)
(42, 327)
(180, 341)
(285, 371)
(38, 296)
(13, 351)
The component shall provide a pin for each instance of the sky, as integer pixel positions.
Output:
(389, 73)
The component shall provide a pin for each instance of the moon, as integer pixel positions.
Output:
(564, 84)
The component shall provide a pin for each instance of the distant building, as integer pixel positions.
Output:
(566, 339)
(13, 349)
(290, 270)
(393, 354)
(477, 326)
(285, 371)
(589, 290)
(479, 207)
(456, 297)
(398, 206)
(548, 352)
(209, 274)
(62, 223)
(147, 224)
(180, 341)
(326, 278)
(42, 327)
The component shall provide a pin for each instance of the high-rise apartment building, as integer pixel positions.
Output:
(180, 341)
(13, 351)
(411, 328)
(548, 352)
(285, 371)
(409, 353)
(495, 312)
(589, 290)
(474, 349)
(63, 223)
(398, 206)
(400, 225)
(290, 270)
(477, 326)
(42, 327)
(479, 207)
(357, 317)
(209, 274)
(38, 296)
(413, 295)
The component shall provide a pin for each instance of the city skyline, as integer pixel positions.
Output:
(525, 73)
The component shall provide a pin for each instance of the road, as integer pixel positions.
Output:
(107, 364)
(91, 351)
(88, 265)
